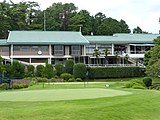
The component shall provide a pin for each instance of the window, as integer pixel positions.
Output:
(5, 49)
(76, 50)
(25, 48)
(58, 50)
(16, 48)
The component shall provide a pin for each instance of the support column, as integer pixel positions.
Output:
(128, 49)
(112, 49)
(49, 60)
(50, 54)
(30, 60)
(11, 55)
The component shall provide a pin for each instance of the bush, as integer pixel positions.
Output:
(78, 79)
(41, 79)
(135, 83)
(17, 70)
(138, 87)
(4, 86)
(79, 70)
(59, 69)
(71, 80)
(30, 71)
(147, 81)
(66, 76)
(19, 86)
(114, 72)
(69, 66)
(39, 70)
(48, 71)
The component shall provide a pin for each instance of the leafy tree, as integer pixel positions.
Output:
(48, 71)
(124, 27)
(153, 59)
(69, 66)
(58, 16)
(81, 19)
(30, 71)
(5, 19)
(137, 30)
(59, 68)
(109, 27)
(17, 70)
(79, 70)
(39, 70)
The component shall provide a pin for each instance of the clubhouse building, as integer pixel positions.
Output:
(54, 47)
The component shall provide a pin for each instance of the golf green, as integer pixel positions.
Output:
(59, 94)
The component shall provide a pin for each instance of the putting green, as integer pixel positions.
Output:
(59, 94)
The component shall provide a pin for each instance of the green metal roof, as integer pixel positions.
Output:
(3, 42)
(46, 37)
(123, 38)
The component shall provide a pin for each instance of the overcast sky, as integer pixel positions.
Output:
(142, 13)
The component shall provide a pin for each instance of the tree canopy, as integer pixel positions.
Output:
(27, 15)
(152, 59)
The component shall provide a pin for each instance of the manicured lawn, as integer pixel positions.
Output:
(140, 105)
(60, 94)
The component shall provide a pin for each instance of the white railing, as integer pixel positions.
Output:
(110, 65)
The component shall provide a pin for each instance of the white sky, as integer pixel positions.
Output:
(142, 13)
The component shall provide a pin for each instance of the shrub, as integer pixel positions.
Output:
(71, 80)
(4, 86)
(147, 81)
(48, 71)
(135, 83)
(138, 87)
(30, 71)
(42, 79)
(69, 66)
(78, 79)
(39, 70)
(19, 86)
(114, 72)
(66, 76)
(79, 70)
(17, 70)
(59, 68)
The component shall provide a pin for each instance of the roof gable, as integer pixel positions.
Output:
(46, 37)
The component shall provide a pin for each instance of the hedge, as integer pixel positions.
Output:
(114, 72)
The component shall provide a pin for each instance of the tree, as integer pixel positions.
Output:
(48, 71)
(30, 71)
(109, 27)
(153, 59)
(39, 70)
(81, 19)
(58, 16)
(17, 70)
(69, 66)
(137, 30)
(124, 27)
(59, 68)
(5, 19)
(97, 53)
(79, 70)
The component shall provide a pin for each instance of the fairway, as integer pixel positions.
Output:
(59, 94)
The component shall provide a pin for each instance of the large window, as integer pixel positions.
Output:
(30, 50)
(58, 50)
(76, 50)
